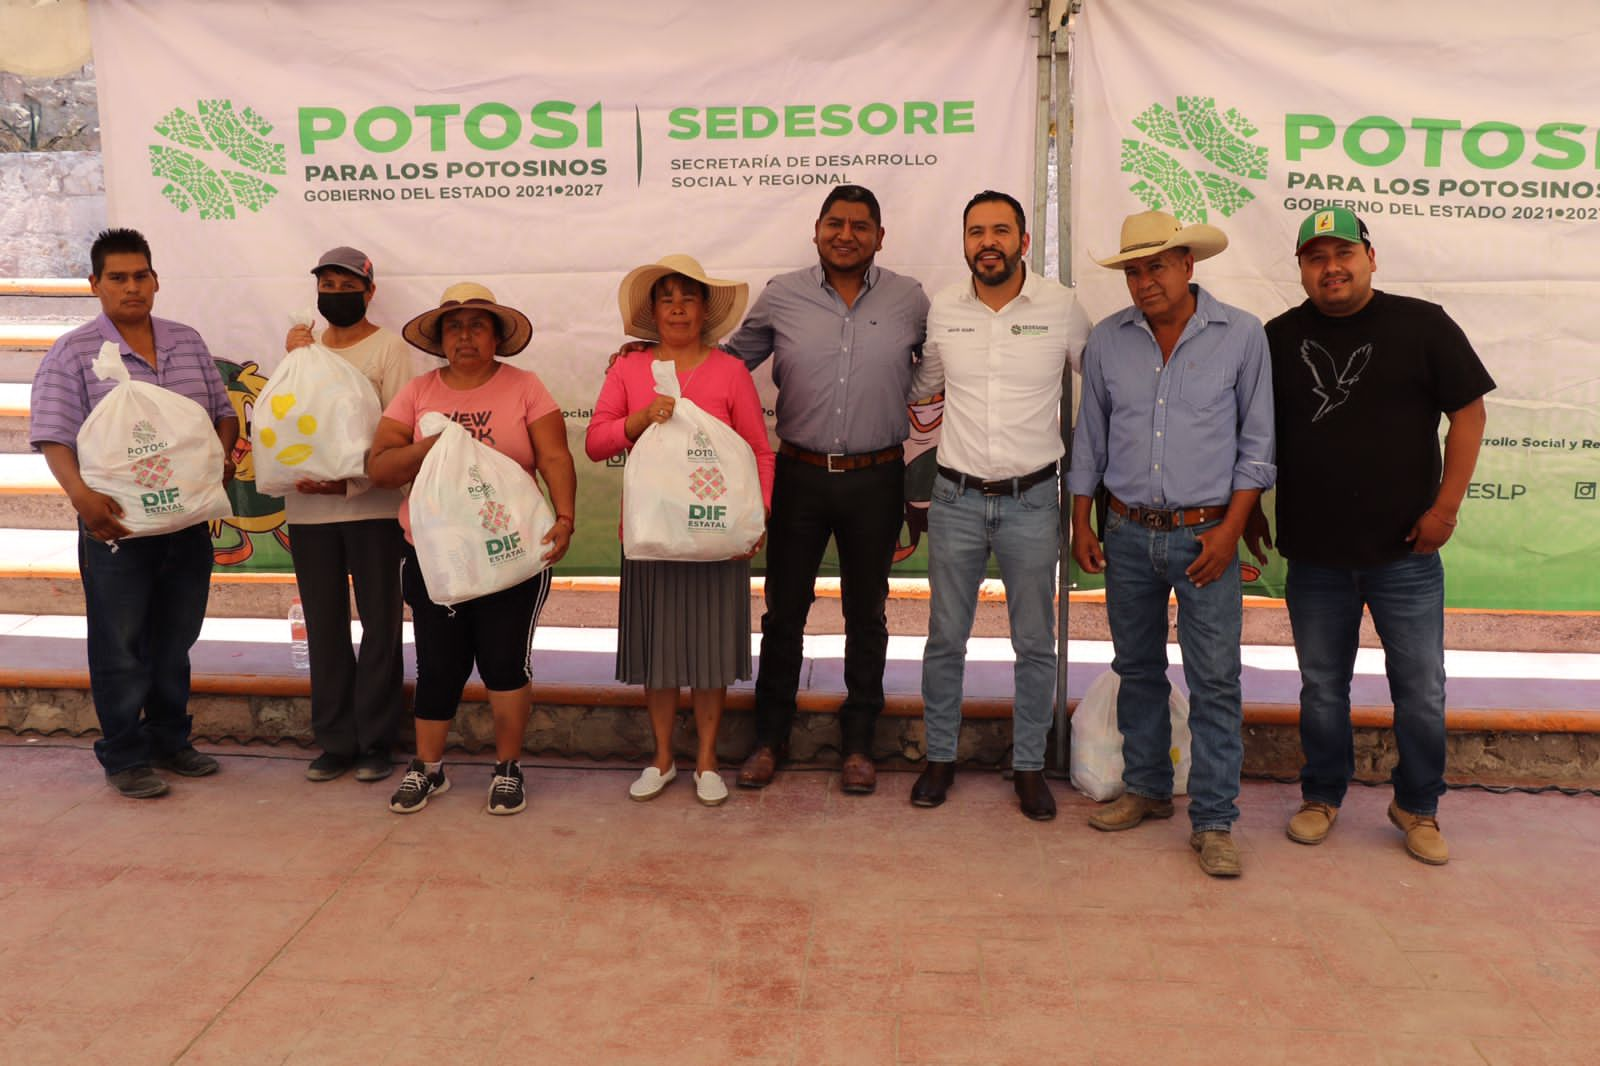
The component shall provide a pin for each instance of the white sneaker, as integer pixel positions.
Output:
(709, 788)
(651, 782)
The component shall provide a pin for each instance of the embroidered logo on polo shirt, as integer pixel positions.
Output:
(1022, 330)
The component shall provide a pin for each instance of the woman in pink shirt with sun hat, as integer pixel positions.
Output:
(681, 623)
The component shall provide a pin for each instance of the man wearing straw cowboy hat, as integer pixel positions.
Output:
(1176, 422)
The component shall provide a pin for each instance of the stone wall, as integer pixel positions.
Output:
(1566, 760)
(52, 183)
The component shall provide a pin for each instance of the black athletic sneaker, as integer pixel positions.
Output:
(505, 789)
(417, 788)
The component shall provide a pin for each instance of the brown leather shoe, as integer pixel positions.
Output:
(858, 776)
(1033, 795)
(934, 784)
(1423, 839)
(759, 769)
(1127, 811)
(1312, 822)
(1218, 855)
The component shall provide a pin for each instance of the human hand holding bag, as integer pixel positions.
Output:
(153, 451)
(690, 489)
(313, 421)
(477, 518)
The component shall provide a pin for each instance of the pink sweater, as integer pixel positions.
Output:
(720, 386)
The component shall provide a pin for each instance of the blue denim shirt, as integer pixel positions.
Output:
(843, 373)
(1187, 434)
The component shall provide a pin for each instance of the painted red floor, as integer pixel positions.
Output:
(256, 918)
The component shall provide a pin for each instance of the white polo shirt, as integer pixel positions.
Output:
(1001, 374)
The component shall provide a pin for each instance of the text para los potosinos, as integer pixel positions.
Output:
(759, 170)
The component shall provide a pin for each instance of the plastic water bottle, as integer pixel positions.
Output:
(299, 650)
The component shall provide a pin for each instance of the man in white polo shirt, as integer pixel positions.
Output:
(998, 345)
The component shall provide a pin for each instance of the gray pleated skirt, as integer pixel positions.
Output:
(684, 624)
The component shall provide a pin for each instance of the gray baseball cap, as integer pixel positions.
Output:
(350, 260)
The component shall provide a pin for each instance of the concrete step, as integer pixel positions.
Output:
(30, 497)
(14, 401)
(1513, 717)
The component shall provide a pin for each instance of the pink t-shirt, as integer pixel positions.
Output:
(720, 386)
(497, 413)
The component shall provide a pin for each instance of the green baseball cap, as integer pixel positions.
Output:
(1339, 222)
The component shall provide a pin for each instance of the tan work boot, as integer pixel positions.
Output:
(1311, 823)
(1127, 811)
(1218, 856)
(1423, 839)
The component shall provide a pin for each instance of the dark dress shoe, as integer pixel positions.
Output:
(1034, 795)
(759, 769)
(933, 785)
(858, 776)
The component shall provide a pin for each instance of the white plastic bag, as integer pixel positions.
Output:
(690, 490)
(315, 419)
(477, 518)
(153, 451)
(1097, 742)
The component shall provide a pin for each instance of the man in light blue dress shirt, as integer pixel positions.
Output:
(1176, 422)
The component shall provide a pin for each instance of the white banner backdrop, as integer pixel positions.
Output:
(1466, 137)
(543, 150)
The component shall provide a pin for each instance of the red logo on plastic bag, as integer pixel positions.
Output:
(153, 471)
(707, 483)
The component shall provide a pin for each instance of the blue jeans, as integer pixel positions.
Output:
(1021, 531)
(1406, 599)
(1143, 567)
(144, 602)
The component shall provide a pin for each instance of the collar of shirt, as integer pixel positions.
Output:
(1207, 310)
(158, 326)
(868, 280)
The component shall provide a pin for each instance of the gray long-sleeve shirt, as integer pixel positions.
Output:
(843, 373)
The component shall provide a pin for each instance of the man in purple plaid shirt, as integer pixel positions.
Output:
(144, 597)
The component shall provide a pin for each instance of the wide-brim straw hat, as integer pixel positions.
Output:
(724, 309)
(1153, 232)
(515, 330)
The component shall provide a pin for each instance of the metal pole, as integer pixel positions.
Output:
(1062, 98)
(1040, 13)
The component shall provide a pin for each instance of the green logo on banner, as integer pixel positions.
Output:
(1188, 190)
(194, 167)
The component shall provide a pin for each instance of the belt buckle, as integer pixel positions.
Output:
(836, 469)
(1160, 521)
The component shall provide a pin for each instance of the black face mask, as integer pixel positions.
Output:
(342, 308)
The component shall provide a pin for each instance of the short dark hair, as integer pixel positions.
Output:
(115, 242)
(853, 194)
(659, 286)
(991, 196)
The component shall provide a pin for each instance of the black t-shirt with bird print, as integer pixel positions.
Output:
(1358, 402)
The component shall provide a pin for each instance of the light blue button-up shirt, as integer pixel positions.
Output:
(1187, 434)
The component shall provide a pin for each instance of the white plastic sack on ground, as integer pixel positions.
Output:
(477, 518)
(315, 419)
(690, 490)
(1097, 742)
(153, 451)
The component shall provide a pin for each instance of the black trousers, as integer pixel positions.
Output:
(862, 510)
(357, 700)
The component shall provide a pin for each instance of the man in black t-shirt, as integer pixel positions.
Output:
(1364, 503)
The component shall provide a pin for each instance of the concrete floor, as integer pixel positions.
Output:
(257, 918)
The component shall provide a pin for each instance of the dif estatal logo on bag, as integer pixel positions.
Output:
(507, 545)
(708, 486)
(153, 471)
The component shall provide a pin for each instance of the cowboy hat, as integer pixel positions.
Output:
(724, 309)
(1153, 232)
(513, 335)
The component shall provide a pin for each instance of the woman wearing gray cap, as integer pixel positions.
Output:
(346, 532)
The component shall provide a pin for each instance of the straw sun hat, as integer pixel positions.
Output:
(724, 309)
(1153, 232)
(515, 330)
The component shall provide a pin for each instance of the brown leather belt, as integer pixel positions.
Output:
(1165, 521)
(1006, 486)
(840, 462)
